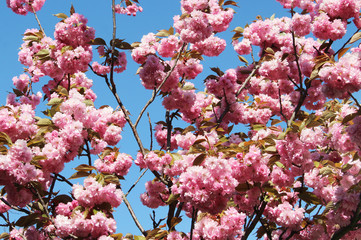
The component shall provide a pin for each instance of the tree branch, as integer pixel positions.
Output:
(255, 220)
(37, 19)
(135, 183)
(133, 216)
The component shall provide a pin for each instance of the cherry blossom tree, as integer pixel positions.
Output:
(270, 148)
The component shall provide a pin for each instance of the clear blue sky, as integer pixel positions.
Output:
(157, 15)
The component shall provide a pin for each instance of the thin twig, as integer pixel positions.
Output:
(37, 19)
(151, 133)
(180, 206)
(133, 216)
(169, 130)
(88, 154)
(62, 179)
(296, 56)
(45, 206)
(220, 119)
(113, 46)
(255, 220)
(194, 215)
(357, 103)
(344, 45)
(289, 78)
(247, 80)
(14, 207)
(281, 108)
(303, 92)
(135, 183)
(51, 189)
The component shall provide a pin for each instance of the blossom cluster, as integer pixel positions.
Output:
(22, 7)
(300, 152)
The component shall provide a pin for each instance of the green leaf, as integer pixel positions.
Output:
(5, 139)
(139, 238)
(176, 156)
(270, 149)
(43, 53)
(61, 15)
(346, 167)
(349, 117)
(188, 87)
(230, 3)
(243, 187)
(199, 159)
(355, 37)
(31, 38)
(342, 52)
(62, 199)
(279, 164)
(37, 141)
(111, 179)
(325, 171)
(4, 235)
(28, 220)
(309, 197)
(258, 127)
(218, 71)
(314, 74)
(44, 122)
(269, 51)
(242, 59)
(188, 129)
(88, 102)
(84, 168)
(66, 48)
(72, 10)
(54, 101)
(118, 236)
(98, 41)
(162, 33)
(79, 175)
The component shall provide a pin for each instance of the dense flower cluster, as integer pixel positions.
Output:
(24, 6)
(131, 9)
(297, 153)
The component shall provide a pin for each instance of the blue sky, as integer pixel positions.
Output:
(157, 15)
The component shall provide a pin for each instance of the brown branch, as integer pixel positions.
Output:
(303, 91)
(62, 179)
(247, 80)
(281, 108)
(133, 215)
(194, 216)
(357, 103)
(344, 45)
(151, 133)
(169, 131)
(14, 207)
(45, 206)
(37, 19)
(255, 220)
(113, 47)
(135, 183)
